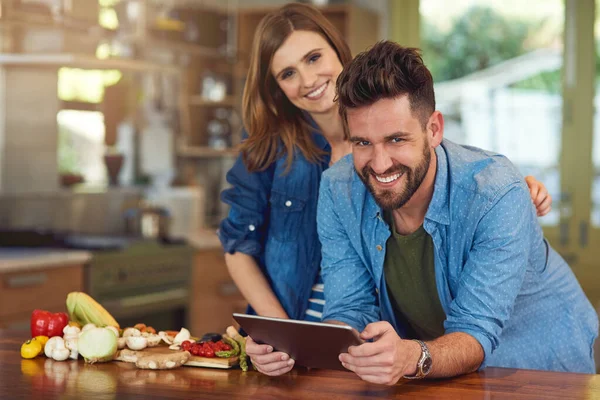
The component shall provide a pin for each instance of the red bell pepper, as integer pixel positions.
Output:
(48, 324)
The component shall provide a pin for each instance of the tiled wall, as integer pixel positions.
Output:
(28, 128)
(91, 213)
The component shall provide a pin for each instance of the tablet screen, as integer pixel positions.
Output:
(311, 344)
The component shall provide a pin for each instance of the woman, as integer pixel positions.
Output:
(294, 133)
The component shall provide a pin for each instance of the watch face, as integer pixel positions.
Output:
(426, 365)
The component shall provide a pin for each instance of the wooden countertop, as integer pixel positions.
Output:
(20, 258)
(43, 378)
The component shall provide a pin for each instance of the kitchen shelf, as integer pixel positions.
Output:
(83, 61)
(33, 20)
(205, 152)
(181, 46)
(215, 6)
(229, 101)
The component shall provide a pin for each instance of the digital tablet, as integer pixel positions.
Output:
(311, 344)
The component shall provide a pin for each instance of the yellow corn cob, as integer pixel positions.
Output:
(85, 310)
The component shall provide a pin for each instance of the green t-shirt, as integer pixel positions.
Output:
(410, 278)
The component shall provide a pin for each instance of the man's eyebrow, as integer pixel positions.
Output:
(386, 138)
(358, 139)
(396, 135)
(304, 57)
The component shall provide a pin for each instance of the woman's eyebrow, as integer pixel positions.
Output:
(304, 57)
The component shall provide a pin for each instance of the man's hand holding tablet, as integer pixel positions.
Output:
(275, 345)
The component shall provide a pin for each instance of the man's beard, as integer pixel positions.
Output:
(390, 200)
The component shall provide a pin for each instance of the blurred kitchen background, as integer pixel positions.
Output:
(120, 118)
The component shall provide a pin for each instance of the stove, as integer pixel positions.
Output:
(136, 280)
(141, 281)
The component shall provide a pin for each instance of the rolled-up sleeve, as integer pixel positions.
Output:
(248, 197)
(350, 295)
(495, 269)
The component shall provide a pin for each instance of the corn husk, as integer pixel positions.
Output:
(85, 310)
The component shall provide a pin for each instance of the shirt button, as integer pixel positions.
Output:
(378, 247)
(288, 203)
(251, 228)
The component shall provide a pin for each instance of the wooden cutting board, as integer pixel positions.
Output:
(194, 361)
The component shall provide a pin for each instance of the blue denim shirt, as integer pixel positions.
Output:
(273, 217)
(498, 280)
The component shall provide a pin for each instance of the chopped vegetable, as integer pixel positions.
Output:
(150, 329)
(31, 348)
(140, 327)
(137, 342)
(45, 323)
(183, 334)
(97, 345)
(153, 339)
(131, 332)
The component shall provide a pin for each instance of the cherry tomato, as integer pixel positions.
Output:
(186, 345)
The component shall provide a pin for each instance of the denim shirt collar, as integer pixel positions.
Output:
(438, 210)
(439, 207)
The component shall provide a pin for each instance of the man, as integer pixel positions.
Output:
(436, 241)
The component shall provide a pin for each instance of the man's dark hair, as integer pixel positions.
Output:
(385, 71)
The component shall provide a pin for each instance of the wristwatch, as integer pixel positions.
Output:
(424, 364)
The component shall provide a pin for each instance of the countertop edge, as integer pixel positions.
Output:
(42, 260)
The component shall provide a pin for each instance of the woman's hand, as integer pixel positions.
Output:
(266, 361)
(539, 195)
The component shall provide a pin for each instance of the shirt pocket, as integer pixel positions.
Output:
(286, 216)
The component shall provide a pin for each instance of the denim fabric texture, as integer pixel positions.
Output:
(498, 279)
(272, 217)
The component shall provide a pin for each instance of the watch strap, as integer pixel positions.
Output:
(425, 356)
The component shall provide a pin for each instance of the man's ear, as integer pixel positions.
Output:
(435, 128)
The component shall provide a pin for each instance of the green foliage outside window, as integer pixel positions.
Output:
(481, 38)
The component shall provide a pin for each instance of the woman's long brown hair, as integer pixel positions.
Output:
(267, 113)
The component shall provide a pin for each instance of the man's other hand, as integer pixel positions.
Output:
(385, 360)
(266, 361)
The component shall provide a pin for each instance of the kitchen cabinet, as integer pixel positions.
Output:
(214, 295)
(47, 288)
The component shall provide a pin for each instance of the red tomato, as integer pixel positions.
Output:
(186, 345)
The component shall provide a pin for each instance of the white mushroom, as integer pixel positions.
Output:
(121, 343)
(153, 340)
(114, 330)
(137, 342)
(87, 327)
(55, 349)
(131, 332)
(166, 338)
(71, 338)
